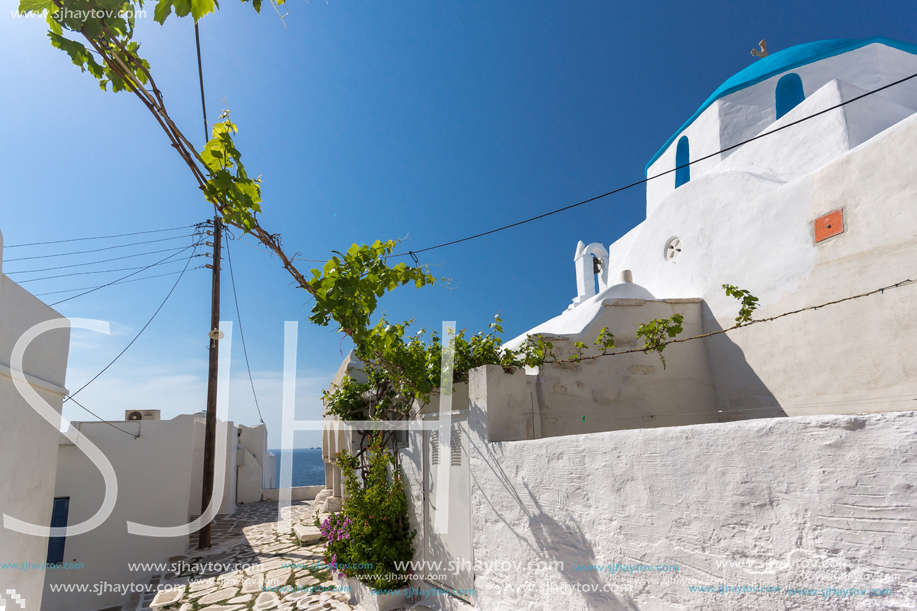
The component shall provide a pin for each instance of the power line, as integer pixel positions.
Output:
(140, 254)
(136, 337)
(83, 252)
(649, 178)
(116, 283)
(195, 245)
(101, 237)
(754, 321)
(98, 271)
(102, 419)
(239, 317)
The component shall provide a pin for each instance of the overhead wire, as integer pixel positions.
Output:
(136, 337)
(83, 252)
(194, 246)
(139, 254)
(661, 174)
(104, 420)
(239, 317)
(412, 253)
(101, 237)
(117, 283)
(98, 271)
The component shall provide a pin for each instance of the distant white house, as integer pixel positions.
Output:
(159, 468)
(28, 443)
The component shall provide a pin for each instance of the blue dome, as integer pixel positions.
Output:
(781, 61)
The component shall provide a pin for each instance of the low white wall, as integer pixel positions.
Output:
(154, 479)
(28, 444)
(250, 474)
(228, 505)
(300, 493)
(809, 502)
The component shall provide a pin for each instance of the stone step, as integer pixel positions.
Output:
(307, 533)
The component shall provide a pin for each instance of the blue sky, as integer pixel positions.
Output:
(367, 121)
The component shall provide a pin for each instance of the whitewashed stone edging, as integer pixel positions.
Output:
(362, 596)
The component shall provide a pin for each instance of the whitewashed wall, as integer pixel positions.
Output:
(741, 115)
(252, 474)
(154, 479)
(28, 444)
(756, 233)
(228, 505)
(810, 502)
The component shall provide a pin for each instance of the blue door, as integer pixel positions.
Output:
(58, 519)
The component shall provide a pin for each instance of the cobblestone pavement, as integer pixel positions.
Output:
(251, 566)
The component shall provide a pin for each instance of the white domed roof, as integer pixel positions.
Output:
(624, 290)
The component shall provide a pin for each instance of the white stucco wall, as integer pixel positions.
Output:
(251, 475)
(228, 505)
(746, 113)
(154, 479)
(810, 502)
(757, 233)
(28, 444)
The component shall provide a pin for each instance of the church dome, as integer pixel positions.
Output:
(779, 62)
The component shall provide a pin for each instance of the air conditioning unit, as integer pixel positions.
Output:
(141, 414)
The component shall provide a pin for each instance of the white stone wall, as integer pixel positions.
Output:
(746, 113)
(749, 231)
(154, 477)
(252, 475)
(28, 444)
(811, 502)
(228, 504)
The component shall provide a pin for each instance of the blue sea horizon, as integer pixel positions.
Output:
(308, 468)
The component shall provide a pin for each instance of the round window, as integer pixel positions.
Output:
(673, 248)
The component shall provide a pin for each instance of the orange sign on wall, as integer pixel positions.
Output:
(829, 225)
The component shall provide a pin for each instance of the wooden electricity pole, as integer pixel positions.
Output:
(210, 434)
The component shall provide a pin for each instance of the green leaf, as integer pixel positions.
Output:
(199, 8)
(35, 6)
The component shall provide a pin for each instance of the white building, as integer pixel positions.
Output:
(159, 469)
(818, 211)
(768, 457)
(28, 443)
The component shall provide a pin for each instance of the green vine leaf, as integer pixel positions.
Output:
(657, 332)
(749, 303)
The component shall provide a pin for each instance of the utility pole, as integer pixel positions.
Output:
(210, 435)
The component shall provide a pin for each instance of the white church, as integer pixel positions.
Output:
(821, 210)
(755, 458)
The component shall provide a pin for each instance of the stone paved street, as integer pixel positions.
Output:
(248, 559)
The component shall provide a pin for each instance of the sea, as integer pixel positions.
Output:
(308, 468)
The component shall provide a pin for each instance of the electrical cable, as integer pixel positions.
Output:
(140, 254)
(195, 245)
(101, 237)
(136, 337)
(649, 178)
(98, 271)
(103, 419)
(83, 252)
(117, 283)
(241, 332)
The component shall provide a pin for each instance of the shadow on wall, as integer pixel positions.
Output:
(568, 544)
(547, 538)
(740, 393)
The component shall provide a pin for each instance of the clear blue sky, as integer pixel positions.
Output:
(367, 121)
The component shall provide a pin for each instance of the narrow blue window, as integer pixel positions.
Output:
(58, 519)
(789, 93)
(682, 159)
